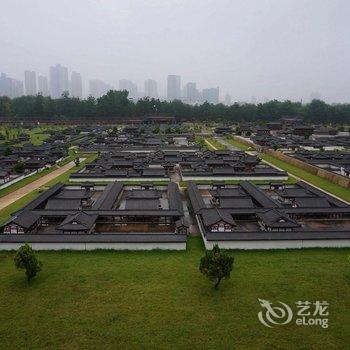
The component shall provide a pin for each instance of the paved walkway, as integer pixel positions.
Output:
(23, 191)
(228, 145)
(210, 144)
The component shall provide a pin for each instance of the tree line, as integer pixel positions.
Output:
(117, 105)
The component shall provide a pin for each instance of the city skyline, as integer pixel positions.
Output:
(59, 83)
(76, 86)
(273, 49)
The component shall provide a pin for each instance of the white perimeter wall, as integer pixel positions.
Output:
(112, 179)
(274, 244)
(238, 178)
(18, 178)
(93, 246)
(280, 244)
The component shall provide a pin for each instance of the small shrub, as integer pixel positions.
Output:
(216, 265)
(26, 259)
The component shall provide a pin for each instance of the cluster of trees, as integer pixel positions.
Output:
(116, 104)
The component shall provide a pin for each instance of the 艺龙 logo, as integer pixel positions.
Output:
(307, 314)
(274, 315)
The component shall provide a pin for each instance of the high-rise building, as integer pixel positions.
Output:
(30, 82)
(228, 100)
(151, 89)
(129, 86)
(190, 92)
(10, 87)
(5, 85)
(76, 85)
(17, 88)
(43, 85)
(58, 80)
(210, 95)
(97, 88)
(174, 87)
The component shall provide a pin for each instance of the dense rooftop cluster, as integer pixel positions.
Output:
(28, 158)
(266, 212)
(112, 213)
(188, 164)
(338, 162)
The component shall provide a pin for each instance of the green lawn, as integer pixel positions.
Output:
(316, 180)
(38, 138)
(236, 143)
(159, 300)
(215, 143)
(37, 135)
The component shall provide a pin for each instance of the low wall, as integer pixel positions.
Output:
(16, 179)
(312, 169)
(236, 178)
(272, 243)
(325, 174)
(98, 245)
(280, 244)
(120, 179)
(245, 142)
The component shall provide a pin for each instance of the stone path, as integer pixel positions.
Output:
(210, 144)
(228, 145)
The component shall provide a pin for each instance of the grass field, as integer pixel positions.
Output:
(236, 143)
(37, 135)
(316, 180)
(159, 300)
(210, 141)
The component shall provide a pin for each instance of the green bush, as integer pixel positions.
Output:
(26, 259)
(216, 265)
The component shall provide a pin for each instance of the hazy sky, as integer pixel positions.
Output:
(266, 48)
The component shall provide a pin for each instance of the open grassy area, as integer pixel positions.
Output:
(236, 143)
(37, 135)
(159, 300)
(315, 180)
(210, 142)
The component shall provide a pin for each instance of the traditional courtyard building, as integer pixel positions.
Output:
(247, 216)
(91, 217)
